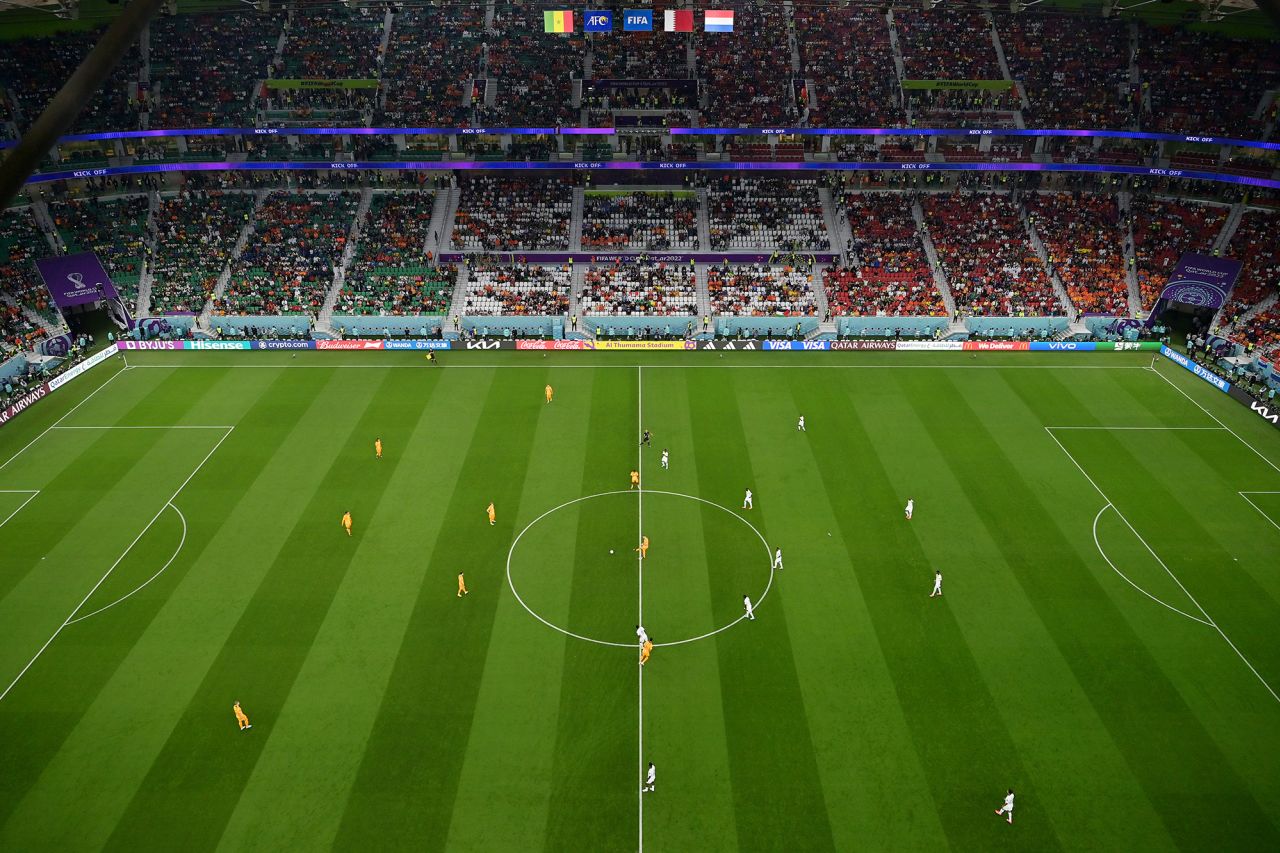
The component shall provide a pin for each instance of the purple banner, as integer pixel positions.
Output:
(76, 279)
(81, 280)
(1201, 281)
(651, 257)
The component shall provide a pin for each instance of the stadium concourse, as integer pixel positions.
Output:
(348, 243)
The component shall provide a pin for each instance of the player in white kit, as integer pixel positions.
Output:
(664, 459)
(937, 583)
(650, 777)
(751, 611)
(777, 559)
(1006, 809)
(800, 426)
(746, 502)
(911, 507)
(641, 635)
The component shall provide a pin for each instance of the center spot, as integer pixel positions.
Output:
(703, 558)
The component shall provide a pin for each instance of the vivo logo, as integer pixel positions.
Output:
(1265, 413)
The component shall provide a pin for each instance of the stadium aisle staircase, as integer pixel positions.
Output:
(931, 252)
(1125, 200)
(1042, 254)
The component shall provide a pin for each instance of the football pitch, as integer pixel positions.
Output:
(1107, 527)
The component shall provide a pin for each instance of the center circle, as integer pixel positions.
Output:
(661, 581)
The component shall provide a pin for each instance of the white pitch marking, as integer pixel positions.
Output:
(1244, 495)
(640, 590)
(1126, 577)
(632, 645)
(145, 583)
(1217, 428)
(31, 492)
(177, 426)
(61, 419)
(1218, 422)
(1152, 552)
(119, 559)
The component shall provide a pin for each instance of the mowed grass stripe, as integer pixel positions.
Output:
(875, 788)
(1062, 744)
(684, 717)
(506, 783)
(405, 787)
(595, 769)
(73, 732)
(335, 697)
(760, 692)
(194, 782)
(967, 754)
(76, 481)
(1127, 689)
(1209, 676)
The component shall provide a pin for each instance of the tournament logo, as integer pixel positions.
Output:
(637, 20)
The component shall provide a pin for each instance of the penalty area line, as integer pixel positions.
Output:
(72, 616)
(1163, 565)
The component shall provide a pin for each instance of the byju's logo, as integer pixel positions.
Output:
(598, 22)
(637, 20)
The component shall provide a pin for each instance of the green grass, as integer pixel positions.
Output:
(855, 712)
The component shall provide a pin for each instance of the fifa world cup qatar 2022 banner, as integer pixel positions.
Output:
(80, 280)
(1198, 281)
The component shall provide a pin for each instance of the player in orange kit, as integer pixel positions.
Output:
(645, 648)
(377, 447)
(462, 585)
(644, 547)
(635, 479)
(493, 516)
(346, 521)
(550, 393)
(240, 717)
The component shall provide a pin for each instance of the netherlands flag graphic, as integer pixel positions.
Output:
(719, 20)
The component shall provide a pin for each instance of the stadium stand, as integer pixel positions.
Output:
(747, 78)
(21, 243)
(1260, 333)
(33, 69)
(1256, 246)
(641, 289)
(989, 263)
(652, 221)
(204, 68)
(1204, 83)
(433, 58)
(113, 229)
(761, 290)
(508, 214)
(392, 274)
(534, 74)
(766, 213)
(196, 232)
(946, 44)
(846, 54)
(891, 276)
(1075, 70)
(1165, 229)
(288, 265)
(523, 290)
(1082, 235)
